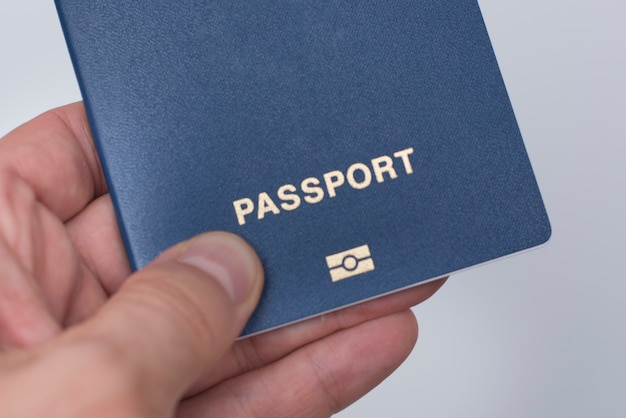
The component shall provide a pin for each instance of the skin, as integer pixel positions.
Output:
(82, 336)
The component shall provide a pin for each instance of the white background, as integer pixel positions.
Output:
(541, 334)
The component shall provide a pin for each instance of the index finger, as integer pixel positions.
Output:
(55, 154)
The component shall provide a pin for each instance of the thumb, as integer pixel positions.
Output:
(173, 320)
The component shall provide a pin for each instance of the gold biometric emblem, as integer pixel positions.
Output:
(350, 263)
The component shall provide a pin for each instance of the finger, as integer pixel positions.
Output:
(50, 270)
(172, 321)
(25, 318)
(55, 155)
(317, 380)
(258, 351)
(96, 237)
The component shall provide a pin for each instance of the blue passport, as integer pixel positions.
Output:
(361, 147)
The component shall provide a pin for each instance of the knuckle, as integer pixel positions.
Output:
(185, 307)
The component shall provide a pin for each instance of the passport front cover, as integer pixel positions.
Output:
(361, 147)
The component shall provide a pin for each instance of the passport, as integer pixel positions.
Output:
(361, 147)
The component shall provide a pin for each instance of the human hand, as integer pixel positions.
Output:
(81, 336)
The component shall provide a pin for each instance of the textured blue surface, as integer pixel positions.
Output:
(200, 103)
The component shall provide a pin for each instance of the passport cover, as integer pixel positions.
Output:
(361, 147)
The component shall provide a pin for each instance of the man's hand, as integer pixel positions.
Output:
(80, 336)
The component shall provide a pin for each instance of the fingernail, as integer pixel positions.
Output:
(228, 259)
